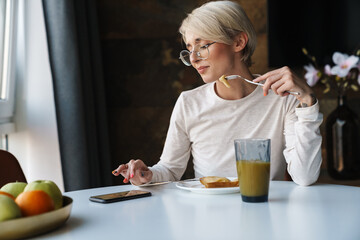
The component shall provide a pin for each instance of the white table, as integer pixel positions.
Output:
(321, 211)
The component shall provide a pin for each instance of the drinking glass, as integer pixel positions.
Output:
(253, 168)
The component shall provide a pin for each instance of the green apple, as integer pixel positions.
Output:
(8, 208)
(14, 188)
(50, 188)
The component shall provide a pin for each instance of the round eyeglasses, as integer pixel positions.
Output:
(201, 52)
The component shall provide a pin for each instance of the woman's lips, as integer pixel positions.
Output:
(202, 69)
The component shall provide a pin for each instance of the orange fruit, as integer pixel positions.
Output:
(34, 202)
(7, 194)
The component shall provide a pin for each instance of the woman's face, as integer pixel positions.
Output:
(219, 62)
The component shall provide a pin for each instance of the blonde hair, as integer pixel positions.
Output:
(221, 21)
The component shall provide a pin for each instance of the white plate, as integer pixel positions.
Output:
(197, 187)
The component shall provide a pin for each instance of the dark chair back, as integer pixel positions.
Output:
(10, 169)
(287, 176)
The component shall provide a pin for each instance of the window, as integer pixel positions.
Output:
(8, 17)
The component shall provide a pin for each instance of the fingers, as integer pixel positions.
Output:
(141, 176)
(121, 169)
(280, 81)
(139, 173)
(270, 73)
(135, 171)
(273, 82)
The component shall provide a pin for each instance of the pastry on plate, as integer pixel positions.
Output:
(218, 182)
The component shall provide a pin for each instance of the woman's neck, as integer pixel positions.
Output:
(239, 88)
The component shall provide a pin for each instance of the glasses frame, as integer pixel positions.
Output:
(197, 53)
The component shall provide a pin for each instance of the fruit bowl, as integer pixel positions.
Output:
(24, 227)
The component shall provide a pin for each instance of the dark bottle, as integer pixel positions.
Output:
(342, 142)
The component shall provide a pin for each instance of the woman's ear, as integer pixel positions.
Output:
(240, 41)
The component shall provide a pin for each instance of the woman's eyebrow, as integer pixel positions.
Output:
(196, 41)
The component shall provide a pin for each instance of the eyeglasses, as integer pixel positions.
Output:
(201, 52)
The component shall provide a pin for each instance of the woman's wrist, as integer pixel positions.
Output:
(308, 100)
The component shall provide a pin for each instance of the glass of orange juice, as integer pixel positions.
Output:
(253, 168)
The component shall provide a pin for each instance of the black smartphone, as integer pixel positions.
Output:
(119, 196)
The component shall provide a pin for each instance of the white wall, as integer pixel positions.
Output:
(35, 142)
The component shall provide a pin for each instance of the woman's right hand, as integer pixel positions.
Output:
(134, 171)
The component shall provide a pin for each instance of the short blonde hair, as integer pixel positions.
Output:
(221, 21)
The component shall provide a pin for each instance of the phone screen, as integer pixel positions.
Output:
(120, 196)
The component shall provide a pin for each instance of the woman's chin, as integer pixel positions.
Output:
(208, 80)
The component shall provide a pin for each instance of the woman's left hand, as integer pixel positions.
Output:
(282, 80)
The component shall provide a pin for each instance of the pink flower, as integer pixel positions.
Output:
(311, 75)
(327, 70)
(343, 64)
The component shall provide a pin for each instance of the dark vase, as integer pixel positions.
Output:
(342, 142)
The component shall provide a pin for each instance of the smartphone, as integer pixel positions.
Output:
(119, 196)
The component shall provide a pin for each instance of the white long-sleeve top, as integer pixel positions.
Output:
(205, 125)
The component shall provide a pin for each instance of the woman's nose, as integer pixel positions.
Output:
(194, 57)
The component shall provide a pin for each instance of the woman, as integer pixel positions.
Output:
(220, 40)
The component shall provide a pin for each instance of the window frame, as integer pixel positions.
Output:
(7, 105)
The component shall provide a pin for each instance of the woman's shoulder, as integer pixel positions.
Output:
(198, 92)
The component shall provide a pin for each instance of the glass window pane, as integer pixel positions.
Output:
(3, 142)
(2, 31)
(4, 46)
(8, 23)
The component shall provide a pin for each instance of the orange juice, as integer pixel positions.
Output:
(254, 176)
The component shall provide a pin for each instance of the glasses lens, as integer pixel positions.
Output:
(185, 57)
(203, 52)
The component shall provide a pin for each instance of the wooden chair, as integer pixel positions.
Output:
(10, 169)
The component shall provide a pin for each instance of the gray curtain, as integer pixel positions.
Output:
(75, 60)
